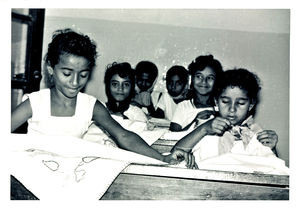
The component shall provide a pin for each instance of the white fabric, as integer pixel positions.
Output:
(255, 157)
(208, 147)
(186, 112)
(136, 123)
(135, 113)
(167, 104)
(245, 163)
(95, 134)
(43, 123)
(68, 168)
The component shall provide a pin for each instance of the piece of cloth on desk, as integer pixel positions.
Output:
(245, 163)
(68, 168)
(254, 157)
(239, 139)
(96, 134)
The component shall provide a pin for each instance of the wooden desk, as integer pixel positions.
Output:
(141, 182)
(148, 182)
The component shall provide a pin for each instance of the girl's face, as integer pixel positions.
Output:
(70, 74)
(234, 105)
(120, 87)
(175, 86)
(144, 81)
(203, 81)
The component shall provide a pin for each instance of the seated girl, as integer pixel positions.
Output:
(177, 86)
(233, 130)
(146, 74)
(63, 109)
(119, 87)
(204, 71)
(119, 83)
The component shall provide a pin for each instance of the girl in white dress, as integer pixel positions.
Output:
(64, 110)
(204, 71)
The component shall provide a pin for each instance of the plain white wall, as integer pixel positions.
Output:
(254, 39)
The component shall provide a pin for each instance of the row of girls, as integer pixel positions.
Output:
(186, 104)
(62, 109)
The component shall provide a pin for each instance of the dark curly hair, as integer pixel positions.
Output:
(67, 41)
(123, 70)
(178, 70)
(147, 67)
(203, 61)
(243, 79)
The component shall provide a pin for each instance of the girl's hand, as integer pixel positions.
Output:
(179, 155)
(268, 138)
(150, 126)
(217, 126)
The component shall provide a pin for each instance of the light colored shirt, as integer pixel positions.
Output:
(167, 104)
(42, 122)
(186, 112)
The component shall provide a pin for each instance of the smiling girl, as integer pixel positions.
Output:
(64, 110)
(204, 71)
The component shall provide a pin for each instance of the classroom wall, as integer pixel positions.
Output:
(254, 39)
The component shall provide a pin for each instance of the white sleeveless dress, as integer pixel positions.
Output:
(42, 122)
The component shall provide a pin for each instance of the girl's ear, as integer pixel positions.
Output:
(251, 106)
(50, 70)
(216, 105)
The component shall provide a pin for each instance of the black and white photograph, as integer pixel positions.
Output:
(150, 103)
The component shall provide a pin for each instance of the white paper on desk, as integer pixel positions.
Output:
(52, 167)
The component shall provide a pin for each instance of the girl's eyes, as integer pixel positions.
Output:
(179, 83)
(210, 78)
(127, 85)
(225, 101)
(114, 84)
(67, 74)
(240, 103)
(82, 74)
(124, 85)
(201, 77)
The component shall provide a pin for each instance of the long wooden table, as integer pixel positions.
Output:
(149, 182)
(146, 182)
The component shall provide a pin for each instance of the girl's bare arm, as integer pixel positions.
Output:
(21, 114)
(125, 139)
